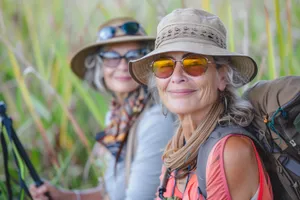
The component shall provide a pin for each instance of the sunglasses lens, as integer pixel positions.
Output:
(195, 66)
(131, 28)
(106, 33)
(134, 54)
(163, 68)
(110, 58)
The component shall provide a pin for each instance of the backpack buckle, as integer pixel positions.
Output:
(295, 185)
(279, 169)
(293, 143)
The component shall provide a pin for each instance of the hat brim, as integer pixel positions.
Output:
(140, 68)
(77, 61)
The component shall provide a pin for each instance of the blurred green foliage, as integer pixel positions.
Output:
(51, 106)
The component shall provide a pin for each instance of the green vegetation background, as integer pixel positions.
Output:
(54, 112)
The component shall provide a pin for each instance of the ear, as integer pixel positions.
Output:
(222, 71)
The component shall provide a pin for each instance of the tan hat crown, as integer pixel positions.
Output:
(116, 31)
(117, 21)
(193, 31)
(193, 24)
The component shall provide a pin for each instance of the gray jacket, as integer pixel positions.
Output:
(152, 134)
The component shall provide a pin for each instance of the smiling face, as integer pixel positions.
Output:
(184, 94)
(117, 78)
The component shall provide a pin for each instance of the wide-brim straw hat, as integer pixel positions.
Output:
(192, 31)
(78, 59)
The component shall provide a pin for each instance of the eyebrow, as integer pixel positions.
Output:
(187, 54)
(183, 56)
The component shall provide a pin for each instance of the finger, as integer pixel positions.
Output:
(44, 198)
(42, 189)
(32, 188)
(33, 191)
(36, 197)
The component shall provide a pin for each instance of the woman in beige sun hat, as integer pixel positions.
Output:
(194, 76)
(136, 130)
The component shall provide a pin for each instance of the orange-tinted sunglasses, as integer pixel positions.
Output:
(193, 65)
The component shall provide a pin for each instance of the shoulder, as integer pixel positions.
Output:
(235, 152)
(234, 143)
(241, 165)
(233, 158)
(154, 114)
(239, 150)
(239, 157)
(154, 109)
(154, 122)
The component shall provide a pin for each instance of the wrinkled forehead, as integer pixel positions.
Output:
(121, 47)
(180, 54)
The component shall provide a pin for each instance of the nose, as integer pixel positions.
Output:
(178, 75)
(123, 65)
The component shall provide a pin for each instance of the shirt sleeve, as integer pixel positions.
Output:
(153, 132)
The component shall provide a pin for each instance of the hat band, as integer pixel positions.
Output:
(129, 28)
(191, 31)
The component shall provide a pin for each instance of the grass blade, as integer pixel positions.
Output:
(28, 102)
(231, 29)
(271, 60)
(34, 38)
(205, 4)
(289, 45)
(280, 39)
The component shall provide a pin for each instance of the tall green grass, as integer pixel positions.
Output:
(57, 116)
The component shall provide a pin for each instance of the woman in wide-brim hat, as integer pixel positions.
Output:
(136, 130)
(196, 77)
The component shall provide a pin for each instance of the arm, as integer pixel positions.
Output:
(90, 194)
(63, 194)
(241, 168)
(153, 132)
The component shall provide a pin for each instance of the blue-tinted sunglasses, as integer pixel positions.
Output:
(112, 59)
(129, 28)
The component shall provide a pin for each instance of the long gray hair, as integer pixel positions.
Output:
(94, 71)
(237, 110)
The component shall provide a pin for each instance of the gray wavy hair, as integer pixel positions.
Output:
(94, 71)
(238, 111)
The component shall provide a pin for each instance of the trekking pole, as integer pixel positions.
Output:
(7, 122)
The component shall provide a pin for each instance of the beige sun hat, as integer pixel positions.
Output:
(192, 31)
(78, 59)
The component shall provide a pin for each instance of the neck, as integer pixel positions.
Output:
(190, 121)
(121, 97)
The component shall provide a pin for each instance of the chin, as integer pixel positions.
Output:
(181, 105)
(182, 109)
(125, 88)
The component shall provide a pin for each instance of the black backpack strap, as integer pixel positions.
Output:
(204, 150)
(12, 137)
(5, 161)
